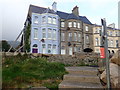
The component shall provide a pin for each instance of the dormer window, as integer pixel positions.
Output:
(49, 19)
(70, 24)
(54, 20)
(43, 19)
(36, 19)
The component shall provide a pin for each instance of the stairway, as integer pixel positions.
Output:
(81, 77)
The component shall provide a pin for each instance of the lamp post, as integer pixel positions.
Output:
(104, 50)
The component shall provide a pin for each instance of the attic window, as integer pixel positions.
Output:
(36, 19)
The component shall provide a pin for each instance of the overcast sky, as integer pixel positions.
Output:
(13, 12)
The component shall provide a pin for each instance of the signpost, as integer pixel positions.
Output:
(104, 51)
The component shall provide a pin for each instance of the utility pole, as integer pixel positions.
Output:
(104, 51)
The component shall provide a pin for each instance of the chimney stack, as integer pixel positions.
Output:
(75, 11)
(54, 6)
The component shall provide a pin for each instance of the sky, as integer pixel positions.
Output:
(13, 13)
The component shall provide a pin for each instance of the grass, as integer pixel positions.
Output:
(23, 72)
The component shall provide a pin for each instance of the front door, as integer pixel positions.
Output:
(34, 50)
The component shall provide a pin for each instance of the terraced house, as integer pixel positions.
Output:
(56, 32)
(113, 38)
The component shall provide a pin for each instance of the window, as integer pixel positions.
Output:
(43, 48)
(116, 33)
(49, 19)
(75, 36)
(78, 49)
(111, 43)
(35, 33)
(43, 33)
(54, 49)
(70, 36)
(78, 25)
(54, 20)
(43, 19)
(75, 49)
(62, 36)
(110, 33)
(117, 43)
(86, 28)
(63, 50)
(97, 30)
(54, 34)
(96, 42)
(49, 48)
(70, 24)
(79, 37)
(87, 39)
(36, 19)
(62, 24)
(35, 46)
(74, 24)
(70, 50)
(49, 33)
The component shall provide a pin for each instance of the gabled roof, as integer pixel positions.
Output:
(62, 15)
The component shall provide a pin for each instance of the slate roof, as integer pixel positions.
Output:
(62, 15)
(107, 27)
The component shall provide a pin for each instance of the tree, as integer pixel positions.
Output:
(5, 45)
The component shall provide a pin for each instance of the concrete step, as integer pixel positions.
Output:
(81, 78)
(82, 70)
(71, 84)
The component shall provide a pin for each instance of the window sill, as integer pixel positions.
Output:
(35, 38)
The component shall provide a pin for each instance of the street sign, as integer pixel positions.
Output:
(102, 54)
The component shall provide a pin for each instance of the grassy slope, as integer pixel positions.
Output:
(21, 72)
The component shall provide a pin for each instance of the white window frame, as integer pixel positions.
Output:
(87, 39)
(79, 37)
(35, 33)
(70, 36)
(78, 25)
(74, 24)
(69, 24)
(49, 48)
(44, 19)
(63, 52)
(96, 41)
(54, 34)
(44, 33)
(75, 36)
(54, 49)
(62, 36)
(54, 20)
(70, 51)
(36, 19)
(44, 49)
(49, 33)
(62, 24)
(86, 28)
(49, 20)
